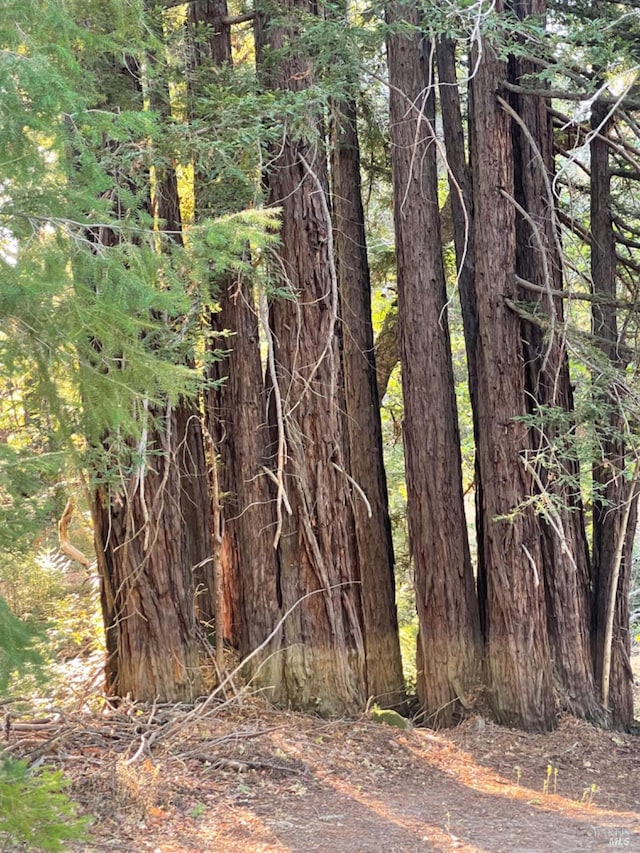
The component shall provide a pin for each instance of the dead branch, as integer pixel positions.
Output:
(216, 549)
(282, 451)
(244, 764)
(570, 296)
(560, 95)
(63, 537)
(202, 710)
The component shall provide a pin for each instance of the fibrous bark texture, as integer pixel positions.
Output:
(236, 404)
(556, 473)
(608, 511)
(517, 645)
(147, 587)
(460, 201)
(145, 552)
(373, 528)
(319, 585)
(449, 648)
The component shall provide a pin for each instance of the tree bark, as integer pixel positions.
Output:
(609, 501)
(517, 646)
(385, 684)
(565, 549)
(147, 585)
(190, 457)
(236, 406)
(322, 641)
(460, 201)
(386, 343)
(143, 550)
(449, 635)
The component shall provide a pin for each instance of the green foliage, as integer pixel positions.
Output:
(18, 652)
(35, 811)
(32, 584)
(98, 307)
(408, 642)
(387, 717)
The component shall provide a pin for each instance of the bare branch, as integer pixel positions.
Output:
(570, 296)
(561, 95)
(63, 536)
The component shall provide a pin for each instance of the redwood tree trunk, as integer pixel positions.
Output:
(608, 504)
(517, 645)
(322, 642)
(373, 527)
(236, 406)
(449, 635)
(562, 527)
(461, 200)
(190, 457)
(143, 550)
(147, 585)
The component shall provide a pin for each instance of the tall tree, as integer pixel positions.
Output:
(362, 413)
(141, 541)
(104, 346)
(449, 638)
(236, 406)
(517, 645)
(195, 494)
(613, 527)
(539, 268)
(318, 585)
(461, 202)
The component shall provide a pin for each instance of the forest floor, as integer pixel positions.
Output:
(239, 777)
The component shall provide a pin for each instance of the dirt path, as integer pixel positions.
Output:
(254, 780)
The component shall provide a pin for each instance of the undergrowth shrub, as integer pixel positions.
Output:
(35, 811)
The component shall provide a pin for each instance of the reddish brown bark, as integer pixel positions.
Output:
(517, 645)
(322, 644)
(236, 405)
(147, 585)
(461, 204)
(143, 549)
(373, 528)
(190, 457)
(447, 609)
(539, 260)
(608, 504)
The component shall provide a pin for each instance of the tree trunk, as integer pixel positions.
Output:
(373, 527)
(445, 596)
(142, 547)
(563, 535)
(322, 641)
(147, 586)
(609, 501)
(236, 405)
(517, 646)
(195, 494)
(461, 203)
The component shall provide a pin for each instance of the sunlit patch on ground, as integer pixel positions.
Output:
(241, 777)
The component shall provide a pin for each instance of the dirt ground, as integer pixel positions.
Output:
(239, 777)
(249, 779)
